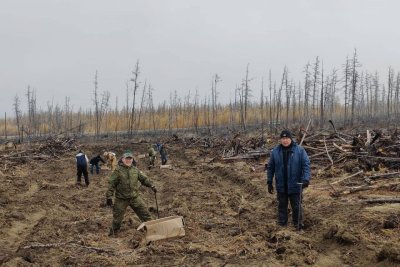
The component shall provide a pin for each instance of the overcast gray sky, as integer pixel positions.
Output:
(56, 46)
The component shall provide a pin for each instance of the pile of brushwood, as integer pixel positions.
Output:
(41, 151)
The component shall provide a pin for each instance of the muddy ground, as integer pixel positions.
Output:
(46, 220)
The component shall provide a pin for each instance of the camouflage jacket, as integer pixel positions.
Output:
(124, 181)
(151, 152)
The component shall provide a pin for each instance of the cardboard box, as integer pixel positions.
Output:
(163, 228)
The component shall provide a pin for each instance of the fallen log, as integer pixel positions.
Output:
(360, 188)
(383, 175)
(389, 159)
(336, 132)
(304, 135)
(319, 154)
(382, 200)
(348, 177)
(327, 152)
(249, 155)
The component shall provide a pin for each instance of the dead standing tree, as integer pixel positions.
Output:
(18, 117)
(214, 94)
(151, 106)
(307, 83)
(315, 85)
(346, 89)
(96, 106)
(390, 93)
(141, 108)
(271, 115)
(50, 115)
(288, 92)
(322, 106)
(244, 98)
(397, 96)
(262, 109)
(135, 81)
(100, 107)
(32, 113)
(278, 97)
(354, 80)
(67, 116)
(196, 112)
(294, 103)
(376, 94)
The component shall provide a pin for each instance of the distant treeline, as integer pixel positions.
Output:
(348, 95)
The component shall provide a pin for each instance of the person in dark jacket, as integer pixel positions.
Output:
(163, 154)
(290, 165)
(81, 167)
(94, 162)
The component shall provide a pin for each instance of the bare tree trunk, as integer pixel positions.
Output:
(397, 95)
(151, 107)
(262, 109)
(390, 89)
(294, 104)
(346, 80)
(354, 80)
(141, 106)
(321, 117)
(270, 100)
(127, 118)
(278, 98)
(246, 96)
(96, 106)
(307, 85)
(376, 94)
(5, 125)
(116, 115)
(135, 81)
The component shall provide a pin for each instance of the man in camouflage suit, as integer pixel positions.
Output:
(124, 181)
(152, 156)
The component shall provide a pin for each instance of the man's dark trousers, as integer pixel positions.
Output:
(283, 201)
(82, 170)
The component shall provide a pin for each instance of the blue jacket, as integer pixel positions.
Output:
(298, 168)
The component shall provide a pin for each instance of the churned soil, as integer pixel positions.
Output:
(230, 219)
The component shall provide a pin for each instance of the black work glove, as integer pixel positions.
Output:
(270, 188)
(153, 187)
(109, 202)
(305, 184)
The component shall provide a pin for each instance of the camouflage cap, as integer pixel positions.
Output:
(128, 154)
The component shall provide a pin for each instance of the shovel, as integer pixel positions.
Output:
(300, 210)
(158, 214)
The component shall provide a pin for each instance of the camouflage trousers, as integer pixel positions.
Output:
(152, 161)
(119, 209)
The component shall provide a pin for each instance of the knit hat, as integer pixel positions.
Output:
(286, 133)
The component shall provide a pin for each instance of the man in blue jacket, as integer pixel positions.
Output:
(290, 165)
